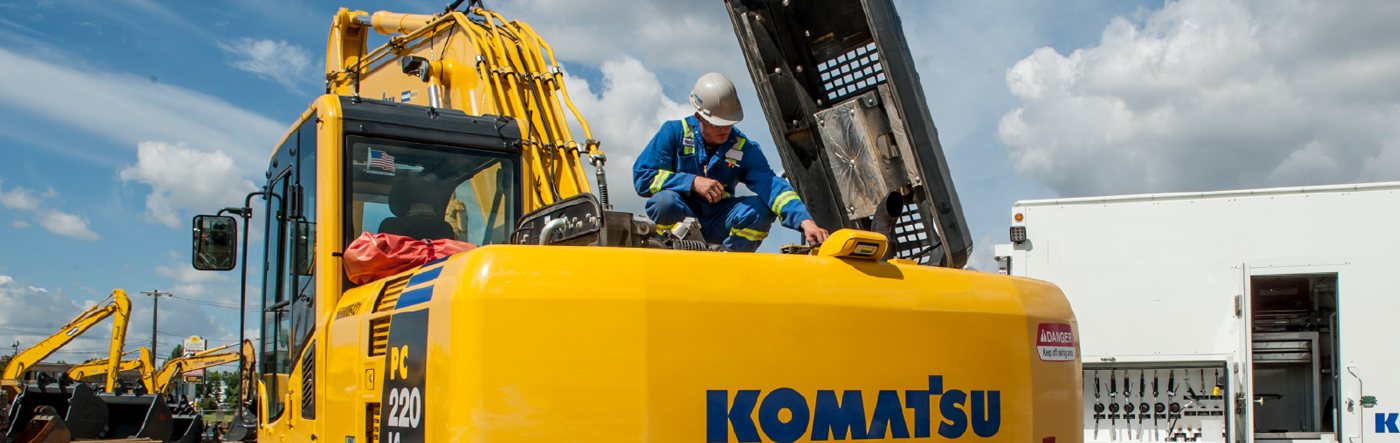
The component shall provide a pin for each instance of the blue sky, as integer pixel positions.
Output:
(124, 118)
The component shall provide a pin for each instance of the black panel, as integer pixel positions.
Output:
(806, 55)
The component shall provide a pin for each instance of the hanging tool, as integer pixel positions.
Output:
(1113, 402)
(1143, 408)
(1158, 407)
(1218, 385)
(1128, 406)
(1098, 405)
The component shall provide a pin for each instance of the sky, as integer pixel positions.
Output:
(124, 118)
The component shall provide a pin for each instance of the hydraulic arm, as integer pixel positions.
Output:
(142, 364)
(480, 64)
(173, 368)
(119, 306)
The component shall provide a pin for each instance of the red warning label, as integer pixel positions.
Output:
(1055, 342)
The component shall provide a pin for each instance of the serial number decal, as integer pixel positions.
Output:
(404, 396)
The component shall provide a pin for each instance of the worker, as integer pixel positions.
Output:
(691, 167)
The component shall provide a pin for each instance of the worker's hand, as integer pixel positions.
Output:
(707, 188)
(814, 234)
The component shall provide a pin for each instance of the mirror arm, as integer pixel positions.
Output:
(246, 212)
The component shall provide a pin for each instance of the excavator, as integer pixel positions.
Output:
(76, 410)
(117, 305)
(574, 321)
(157, 381)
(142, 364)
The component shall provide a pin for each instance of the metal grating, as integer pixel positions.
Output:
(372, 422)
(379, 327)
(912, 241)
(308, 382)
(856, 71)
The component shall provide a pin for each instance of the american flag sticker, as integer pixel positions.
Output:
(380, 162)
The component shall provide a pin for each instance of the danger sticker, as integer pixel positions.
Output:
(1055, 342)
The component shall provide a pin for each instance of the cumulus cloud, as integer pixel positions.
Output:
(182, 177)
(129, 109)
(53, 220)
(673, 33)
(28, 313)
(1206, 94)
(278, 61)
(626, 109)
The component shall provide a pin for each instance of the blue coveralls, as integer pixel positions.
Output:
(677, 154)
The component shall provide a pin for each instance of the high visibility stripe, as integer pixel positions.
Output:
(688, 150)
(726, 195)
(739, 145)
(782, 200)
(659, 180)
(750, 234)
(666, 227)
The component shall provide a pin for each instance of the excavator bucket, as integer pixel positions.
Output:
(32, 397)
(86, 415)
(138, 416)
(46, 426)
(188, 429)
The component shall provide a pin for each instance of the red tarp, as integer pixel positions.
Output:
(375, 256)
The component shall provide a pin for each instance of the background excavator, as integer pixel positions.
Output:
(158, 381)
(117, 306)
(142, 364)
(55, 411)
(574, 321)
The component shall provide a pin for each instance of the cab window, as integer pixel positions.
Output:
(430, 192)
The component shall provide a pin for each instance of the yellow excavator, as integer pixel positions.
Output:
(142, 364)
(117, 306)
(572, 321)
(157, 381)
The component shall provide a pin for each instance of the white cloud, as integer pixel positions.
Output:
(129, 109)
(187, 274)
(1207, 94)
(672, 33)
(53, 220)
(67, 225)
(19, 198)
(626, 110)
(181, 177)
(278, 61)
(28, 308)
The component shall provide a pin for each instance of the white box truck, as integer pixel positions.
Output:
(1262, 315)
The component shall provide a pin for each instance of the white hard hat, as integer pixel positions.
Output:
(715, 99)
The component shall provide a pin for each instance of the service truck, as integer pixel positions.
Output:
(1237, 316)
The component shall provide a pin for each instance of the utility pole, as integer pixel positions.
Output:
(155, 315)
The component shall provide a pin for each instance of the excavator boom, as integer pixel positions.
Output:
(480, 64)
(142, 364)
(175, 367)
(119, 307)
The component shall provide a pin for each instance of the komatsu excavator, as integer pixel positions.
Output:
(157, 381)
(576, 322)
(117, 306)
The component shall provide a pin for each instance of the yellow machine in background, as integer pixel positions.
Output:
(456, 128)
(119, 306)
(157, 381)
(142, 364)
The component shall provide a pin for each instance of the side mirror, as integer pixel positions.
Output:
(215, 242)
